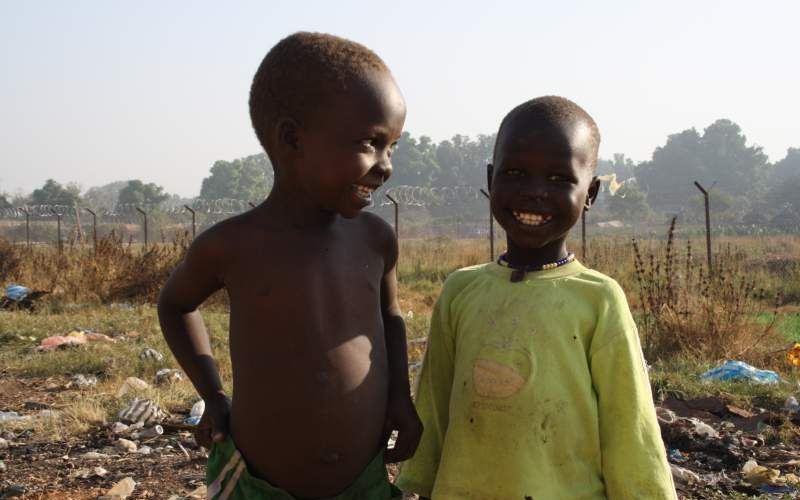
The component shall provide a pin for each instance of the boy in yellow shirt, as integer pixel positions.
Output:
(533, 384)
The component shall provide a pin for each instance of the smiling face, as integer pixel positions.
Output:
(542, 181)
(347, 146)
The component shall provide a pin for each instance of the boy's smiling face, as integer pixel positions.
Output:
(346, 146)
(542, 181)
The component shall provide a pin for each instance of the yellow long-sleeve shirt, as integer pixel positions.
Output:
(535, 390)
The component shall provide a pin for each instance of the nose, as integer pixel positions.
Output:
(534, 190)
(384, 166)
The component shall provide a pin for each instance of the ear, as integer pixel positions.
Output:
(489, 175)
(591, 196)
(288, 136)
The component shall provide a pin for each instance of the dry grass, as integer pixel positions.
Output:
(687, 309)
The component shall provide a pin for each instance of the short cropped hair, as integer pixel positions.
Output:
(546, 111)
(300, 72)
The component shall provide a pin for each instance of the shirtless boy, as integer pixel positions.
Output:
(317, 343)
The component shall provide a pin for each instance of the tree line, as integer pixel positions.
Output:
(747, 187)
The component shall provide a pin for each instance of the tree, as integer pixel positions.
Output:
(53, 193)
(138, 193)
(737, 168)
(786, 168)
(4, 203)
(248, 179)
(667, 178)
(105, 196)
(413, 162)
(720, 155)
(629, 204)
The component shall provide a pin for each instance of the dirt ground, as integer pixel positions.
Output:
(36, 466)
(52, 469)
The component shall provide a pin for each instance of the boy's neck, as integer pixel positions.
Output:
(533, 257)
(295, 210)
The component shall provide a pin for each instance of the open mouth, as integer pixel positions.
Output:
(363, 191)
(531, 218)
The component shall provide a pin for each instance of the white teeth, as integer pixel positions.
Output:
(363, 191)
(530, 218)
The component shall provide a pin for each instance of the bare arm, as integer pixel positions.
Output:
(401, 415)
(193, 281)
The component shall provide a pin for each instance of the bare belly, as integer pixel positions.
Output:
(309, 420)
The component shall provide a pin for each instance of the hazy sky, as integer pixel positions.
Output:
(98, 91)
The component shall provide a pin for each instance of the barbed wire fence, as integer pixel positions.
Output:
(458, 211)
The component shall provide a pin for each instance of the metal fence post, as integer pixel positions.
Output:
(27, 226)
(491, 227)
(708, 222)
(194, 219)
(58, 219)
(94, 228)
(396, 216)
(144, 214)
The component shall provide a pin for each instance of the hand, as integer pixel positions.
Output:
(401, 416)
(213, 425)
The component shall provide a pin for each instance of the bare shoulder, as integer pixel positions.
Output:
(217, 245)
(381, 233)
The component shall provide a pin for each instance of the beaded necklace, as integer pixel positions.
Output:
(519, 272)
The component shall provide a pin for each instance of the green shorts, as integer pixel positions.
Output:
(228, 479)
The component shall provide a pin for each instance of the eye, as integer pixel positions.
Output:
(559, 178)
(513, 172)
(368, 145)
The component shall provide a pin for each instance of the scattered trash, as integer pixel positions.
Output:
(739, 370)
(132, 384)
(12, 416)
(666, 416)
(684, 476)
(20, 297)
(758, 475)
(93, 455)
(793, 356)
(192, 420)
(791, 405)
(125, 445)
(119, 428)
(703, 429)
(12, 490)
(675, 455)
(82, 381)
(74, 338)
(148, 433)
(98, 337)
(120, 491)
(17, 292)
(3, 467)
(198, 409)
(144, 450)
(150, 354)
(142, 411)
(168, 376)
(3, 444)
